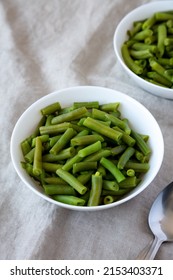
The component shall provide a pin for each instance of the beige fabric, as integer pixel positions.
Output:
(46, 46)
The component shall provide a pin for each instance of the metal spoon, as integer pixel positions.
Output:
(160, 221)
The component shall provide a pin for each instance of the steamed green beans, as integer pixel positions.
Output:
(85, 163)
(148, 50)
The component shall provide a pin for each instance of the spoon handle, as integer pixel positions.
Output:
(150, 251)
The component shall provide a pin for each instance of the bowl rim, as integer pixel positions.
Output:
(160, 6)
(72, 207)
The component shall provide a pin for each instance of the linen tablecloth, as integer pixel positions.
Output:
(47, 46)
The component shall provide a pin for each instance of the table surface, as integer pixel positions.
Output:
(47, 46)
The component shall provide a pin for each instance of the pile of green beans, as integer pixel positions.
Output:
(148, 52)
(85, 154)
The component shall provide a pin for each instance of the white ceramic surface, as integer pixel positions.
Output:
(120, 36)
(140, 119)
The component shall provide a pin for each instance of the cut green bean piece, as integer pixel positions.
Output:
(25, 146)
(88, 105)
(127, 154)
(98, 155)
(59, 189)
(84, 166)
(109, 107)
(129, 182)
(55, 129)
(137, 166)
(69, 199)
(63, 141)
(71, 180)
(140, 54)
(162, 35)
(143, 146)
(163, 16)
(86, 140)
(64, 154)
(129, 61)
(50, 109)
(90, 149)
(159, 78)
(96, 188)
(102, 129)
(148, 23)
(54, 181)
(110, 185)
(51, 167)
(112, 169)
(141, 35)
(37, 162)
(73, 115)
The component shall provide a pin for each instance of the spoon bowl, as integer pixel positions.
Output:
(160, 221)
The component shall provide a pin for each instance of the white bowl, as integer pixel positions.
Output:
(120, 36)
(140, 119)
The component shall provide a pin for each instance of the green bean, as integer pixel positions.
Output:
(129, 182)
(163, 16)
(83, 166)
(98, 155)
(63, 141)
(129, 61)
(127, 139)
(168, 41)
(165, 61)
(148, 23)
(37, 162)
(50, 109)
(71, 180)
(108, 199)
(73, 115)
(141, 35)
(162, 34)
(110, 185)
(138, 46)
(69, 164)
(109, 107)
(69, 199)
(85, 140)
(64, 154)
(136, 28)
(88, 105)
(102, 129)
(44, 138)
(143, 146)
(55, 129)
(54, 181)
(120, 192)
(85, 177)
(48, 120)
(25, 146)
(112, 169)
(130, 172)
(127, 154)
(159, 78)
(96, 188)
(140, 54)
(51, 167)
(37, 129)
(59, 189)
(118, 150)
(137, 166)
(90, 149)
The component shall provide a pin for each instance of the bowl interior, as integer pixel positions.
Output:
(120, 36)
(139, 117)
